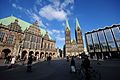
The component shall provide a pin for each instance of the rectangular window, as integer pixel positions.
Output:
(2, 34)
(95, 41)
(118, 43)
(109, 35)
(116, 33)
(110, 40)
(103, 42)
(10, 39)
(90, 44)
(112, 47)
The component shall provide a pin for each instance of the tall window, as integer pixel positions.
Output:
(38, 39)
(10, 39)
(89, 41)
(34, 38)
(48, 46)
(95, 40)
(45, 45)
(110, 39)
(103, 42)
(109, 35)
(27, 37)
(2, 34)
(116, 33)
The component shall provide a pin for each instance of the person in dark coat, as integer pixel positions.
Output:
(29, 63)
(72, 62)
(72, 65)
(86, 63)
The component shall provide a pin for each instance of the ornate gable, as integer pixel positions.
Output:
(33, 29)
(46, 36)
(14, 26)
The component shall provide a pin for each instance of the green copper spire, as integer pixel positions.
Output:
(77, 24)
(67, 24)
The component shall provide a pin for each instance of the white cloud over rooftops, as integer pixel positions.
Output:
(50, 13)
(16, 6)
(56, 10)
(57, 34)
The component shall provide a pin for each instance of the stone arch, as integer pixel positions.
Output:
(36, 53)
(41, 54)
(23, 54)
(46, 54)
(50, 54)
(6, 52)
(53, 53)
(31, 52)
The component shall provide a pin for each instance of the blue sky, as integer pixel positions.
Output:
(51, 14)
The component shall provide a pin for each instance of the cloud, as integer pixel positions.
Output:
(17, 6)
(38, 2)
(30, 13)
(47, 24)
(57, 34)
(71, 7)
(50, 32)
(56, 3)
(62, 31)
(63, 24)
(54, 31)
(66, 3)
(51, 13)
(35, 17)
(60, 38)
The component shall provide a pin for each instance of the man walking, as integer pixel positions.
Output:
(29, 63)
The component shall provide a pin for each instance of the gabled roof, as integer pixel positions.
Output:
(77, 24)
(8, 20)
(23, 24)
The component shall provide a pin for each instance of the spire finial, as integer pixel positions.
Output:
(77, 24)
(67, 24)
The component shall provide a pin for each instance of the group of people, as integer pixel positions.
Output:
(85, 63)
(11, 60)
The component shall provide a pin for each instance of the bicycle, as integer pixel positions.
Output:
(91, 74)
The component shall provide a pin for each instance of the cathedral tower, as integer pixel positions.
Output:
(67, 38)
(73, 47)
(78, 36)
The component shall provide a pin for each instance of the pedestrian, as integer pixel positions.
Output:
(72, 65)
(6, 59)
(67, 59)
(85, 63)
(18, 58)
(12, 62)
(24, 59)
(29, 63)
(37, 57)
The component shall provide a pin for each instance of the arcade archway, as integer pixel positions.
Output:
(6, 52)
(23, 54)
(41, 54)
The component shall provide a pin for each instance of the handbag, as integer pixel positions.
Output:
(73, 69)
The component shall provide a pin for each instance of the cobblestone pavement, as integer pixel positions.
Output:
(60, 70)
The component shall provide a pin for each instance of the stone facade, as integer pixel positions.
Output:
(73, 47)
(18, 40)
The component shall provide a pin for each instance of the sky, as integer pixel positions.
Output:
(51, 14)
